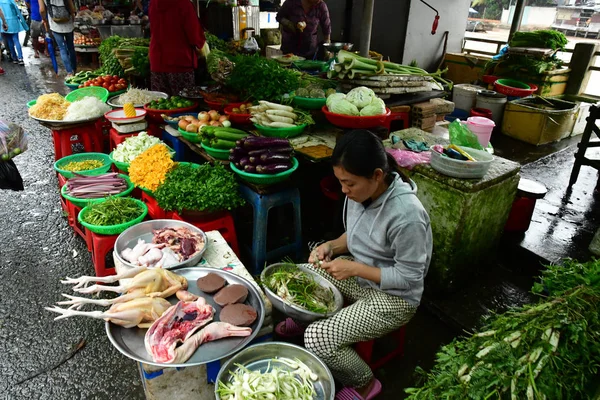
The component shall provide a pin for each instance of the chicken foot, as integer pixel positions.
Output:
(83, 281)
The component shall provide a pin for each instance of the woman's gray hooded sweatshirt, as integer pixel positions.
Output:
(392, 233)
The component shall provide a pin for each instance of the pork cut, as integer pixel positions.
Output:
(211, 282)
(238, 314)
(231, 294)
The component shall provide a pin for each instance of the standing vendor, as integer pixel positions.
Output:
(388, 235)
(175, 44)
(300, 21)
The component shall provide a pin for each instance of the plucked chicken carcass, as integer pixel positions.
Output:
(141, 312)
(183, 323)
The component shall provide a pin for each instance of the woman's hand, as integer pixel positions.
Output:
(323, 252)
(340, 268)
(288, 25)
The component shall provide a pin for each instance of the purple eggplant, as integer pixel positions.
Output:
(232, 158)
(282, 150)
(250, 168)
(273, 168)
(270, 158)
(254, 160)
(244, 161)
(255, 143)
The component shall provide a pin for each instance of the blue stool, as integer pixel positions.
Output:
(175, 144)
(262, 203)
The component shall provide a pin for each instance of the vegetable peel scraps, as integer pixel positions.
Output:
(150, 168)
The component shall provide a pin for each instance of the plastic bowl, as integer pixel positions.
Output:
(95, 91)
(462, 169)
(72, 86)
(240, 119)
(175, 124)
(191, 136)
(352, 122)
(280, 132)
(220, 154)
(309, 103)
(31, 103)
(113, 229)
(265, 179)
(118, 116)
(510, 87)
(79, 202)
(155, 115)
(106, 160)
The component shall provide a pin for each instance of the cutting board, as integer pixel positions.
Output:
(318, 152)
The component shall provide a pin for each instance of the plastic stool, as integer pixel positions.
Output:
(365, 349)
(154, 210)
(88, 135)
(262, 203)
(101, 246)
(154, 128)
(175, 144)
(63, 202)
(222, 222)
(73, 212)
(116, 138)
(404, 117)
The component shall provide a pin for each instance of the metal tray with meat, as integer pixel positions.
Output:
(134, 342)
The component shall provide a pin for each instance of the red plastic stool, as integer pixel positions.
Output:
(154, 128)
(61, 182)
(222, 222)
(79, 229)
(88, 135)
(398, 116)
(103, 125)
(101, 246)
(116, 138)
(154, 210)
(365, 349)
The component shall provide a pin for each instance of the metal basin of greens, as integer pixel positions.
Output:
(292, 309)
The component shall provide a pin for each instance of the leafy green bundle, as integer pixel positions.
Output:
(113, 211)
(204, 188)
(549, 350)
(258, 78)
(545, 38)
(110, 63)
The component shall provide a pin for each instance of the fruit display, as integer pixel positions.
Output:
(111, 83)
(191, 124)
(91, 40)
(172, 103)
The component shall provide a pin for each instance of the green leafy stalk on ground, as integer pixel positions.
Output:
(549, 350)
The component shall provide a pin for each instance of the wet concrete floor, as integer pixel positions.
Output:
(37, 249)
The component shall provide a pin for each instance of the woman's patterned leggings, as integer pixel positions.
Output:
(371, 314)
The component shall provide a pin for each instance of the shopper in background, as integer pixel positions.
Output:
(176, 42)
(36, 26)
(4, 27)
(15, 23)
(58, 17)
(300, 21)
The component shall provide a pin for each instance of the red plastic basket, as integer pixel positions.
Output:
(241, 119)
(155, 115)
(220, 105)
(351, 122)
(513, 91)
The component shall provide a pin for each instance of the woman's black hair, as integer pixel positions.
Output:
(360, 152)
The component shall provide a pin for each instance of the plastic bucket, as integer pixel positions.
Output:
(482, 127)
(481, 112)
(494, 102)
(464, 96)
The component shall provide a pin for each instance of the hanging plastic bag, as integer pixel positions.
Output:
(460, 135)
(13, 140)
(251, 45)
(10, 178)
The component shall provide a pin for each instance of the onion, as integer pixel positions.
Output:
(183, 123)
(203, 116)
(223, 118)
(214, 116)
(215, 123)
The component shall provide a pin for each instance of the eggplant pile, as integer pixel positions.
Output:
(261, 155)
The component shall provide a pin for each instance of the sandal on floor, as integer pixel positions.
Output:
(289, 328)
(348, 393)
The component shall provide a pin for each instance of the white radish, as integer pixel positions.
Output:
(277, 118)
(275, 106)
(281, 125)
(282, 113)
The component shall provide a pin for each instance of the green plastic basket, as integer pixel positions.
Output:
(309, 103)
(113, 229)
(513, 83)
(265, 179)
(122, 166)
(280, 132)
(192, 137)
(72, 86)
(82, 157)
(220, 154)
(31, 103)
(84, 202)
(95, 91)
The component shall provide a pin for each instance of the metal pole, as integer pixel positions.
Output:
(517, 17)
(365, 27)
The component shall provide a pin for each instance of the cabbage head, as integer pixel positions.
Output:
(343, 106)
(377, 107)
(360, 96)
(334, 98)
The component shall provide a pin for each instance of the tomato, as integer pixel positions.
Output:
(111, 88)
(122, 81)
(80, 86)
(120, 86)
(87, 84)
(115, 77)
(106, 85)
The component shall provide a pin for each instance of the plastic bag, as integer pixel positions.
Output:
(460, 135)
(251, 44)
(10, 178)
(408, 159)
(13, 140)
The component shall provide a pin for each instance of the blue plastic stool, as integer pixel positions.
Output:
(175, 144)
(262, 203)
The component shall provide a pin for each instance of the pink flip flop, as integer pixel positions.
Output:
(348, 393)
(289, 328)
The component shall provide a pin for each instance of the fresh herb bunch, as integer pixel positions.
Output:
(141, 62)
(113, 211)
(545, 38)
(215, 43)
(110, 63)
(548, 350)
(204, 188)
(299, 288)
(259, 78)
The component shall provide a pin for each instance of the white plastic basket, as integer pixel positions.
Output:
(462, 169)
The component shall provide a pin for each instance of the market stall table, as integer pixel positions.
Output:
(191, 383)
